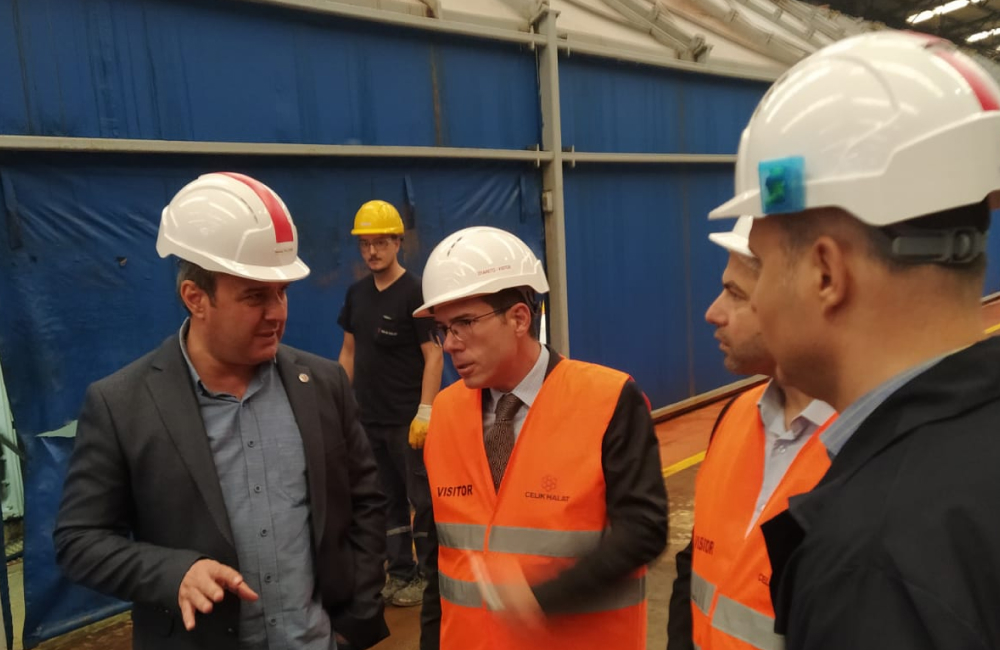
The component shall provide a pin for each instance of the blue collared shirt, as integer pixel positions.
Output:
(526, 391)
(261, 463)
(837, 435)
(781, 444)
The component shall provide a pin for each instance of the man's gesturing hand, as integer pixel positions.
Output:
(205, 584)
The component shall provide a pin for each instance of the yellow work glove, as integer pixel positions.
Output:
(418, 428)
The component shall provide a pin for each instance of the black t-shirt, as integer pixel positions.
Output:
(388, 362)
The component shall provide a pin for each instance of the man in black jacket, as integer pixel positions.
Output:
(223, 483)
(874, 163)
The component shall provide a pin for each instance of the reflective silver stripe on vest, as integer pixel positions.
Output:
(465, 537)
(459, 592)
(702, 593)
(537, 541)
(746, 624)
(624, 593)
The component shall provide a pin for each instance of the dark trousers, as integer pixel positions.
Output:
(404, 479)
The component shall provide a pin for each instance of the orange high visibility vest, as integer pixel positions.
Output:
(730, 597)
(549, 511)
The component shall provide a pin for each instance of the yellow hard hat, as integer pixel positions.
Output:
(377, 218)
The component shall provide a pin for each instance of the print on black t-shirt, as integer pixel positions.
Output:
(388, 362)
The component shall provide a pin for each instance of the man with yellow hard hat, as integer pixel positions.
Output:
(396, 371)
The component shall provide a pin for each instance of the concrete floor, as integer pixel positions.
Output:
(680, 439)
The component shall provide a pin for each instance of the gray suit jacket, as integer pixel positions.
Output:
(142, 500)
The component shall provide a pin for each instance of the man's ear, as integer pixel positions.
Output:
(522, 316)
(194, 298)
(828, 272)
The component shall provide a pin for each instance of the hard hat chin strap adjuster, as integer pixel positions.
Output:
(530, 298)
(953, 246)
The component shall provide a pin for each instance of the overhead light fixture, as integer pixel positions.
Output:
(981, 36)
(941, 10)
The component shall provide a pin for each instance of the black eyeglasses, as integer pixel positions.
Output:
(460, 328)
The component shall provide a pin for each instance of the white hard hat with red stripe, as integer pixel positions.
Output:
(888, 126)
(232, 223)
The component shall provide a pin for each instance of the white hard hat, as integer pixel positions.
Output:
(888, 126)
(233, 224)
(738, 240)
(478, 261)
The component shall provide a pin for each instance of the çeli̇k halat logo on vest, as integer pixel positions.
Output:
(549, 484)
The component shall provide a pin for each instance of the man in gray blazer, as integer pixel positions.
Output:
(223, 483)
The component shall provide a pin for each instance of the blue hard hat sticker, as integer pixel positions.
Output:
(782, 188)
